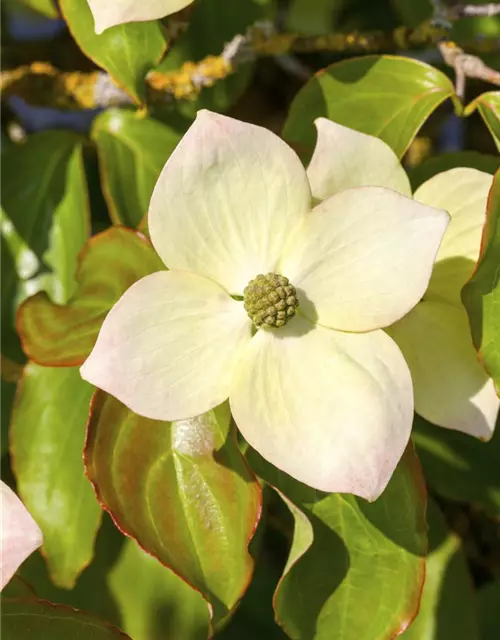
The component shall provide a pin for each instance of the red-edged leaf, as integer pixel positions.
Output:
(27, 619)
(356, 569)
(182, 490)
(111, 262)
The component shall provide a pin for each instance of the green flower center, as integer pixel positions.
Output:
(270, 300)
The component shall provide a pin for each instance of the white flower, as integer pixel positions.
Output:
(450, 385)
(20, 534)
(327, 397)
(109, 13)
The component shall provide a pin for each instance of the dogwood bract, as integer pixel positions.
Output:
(20, 534)
(108, 13)
(451, 387)
(319, 390)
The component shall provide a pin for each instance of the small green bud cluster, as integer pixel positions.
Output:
(270, 300)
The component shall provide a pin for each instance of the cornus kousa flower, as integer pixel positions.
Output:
(20, 534)
(276, 305)
(450, 385)
(108, 13)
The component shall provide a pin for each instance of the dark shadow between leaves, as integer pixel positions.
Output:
(314, 578)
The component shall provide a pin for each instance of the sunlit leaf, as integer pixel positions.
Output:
(182, 490)
(91, 592)
(110, 263)
(481, 295)
(155, 603)
(47, 438)
(44, 222)
(447, 608)
(356, 569)
(488, 105)
(127, 52)
(386, 96)
(21, 617)
(132, 152)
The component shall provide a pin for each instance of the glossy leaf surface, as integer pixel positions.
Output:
(25, 619)
(481, 295)
(127, 52)
(447, 609)
(386, 96)
(182, 490)
(110, 263)
(356, 569)
(44, 221)
(47, 438)
(132, 152)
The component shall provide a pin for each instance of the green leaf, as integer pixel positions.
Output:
(132, 151)
(155, 603)
(45, 8)
(488, 598)
(8, 391)
(457, 466)
(47, 438)
(91, 592)
(23, 619)
(127, 52)
(356, 569)
(254, 617)
(110, 263)
(212, 24)
(386, 96)
(44, 222)
(481, 295)
(488, 105)
(445, 161)
(182, 490)
(447, 608)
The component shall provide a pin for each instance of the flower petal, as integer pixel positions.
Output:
(333, 410)
(464, 194)
(363, 258)
(344, 158)
(227, 200)
(20, 534)
(169, 346)
(108, 13)
(451, 387)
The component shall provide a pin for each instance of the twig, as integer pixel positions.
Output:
(466, 66)
(41, 84)
(478, 10)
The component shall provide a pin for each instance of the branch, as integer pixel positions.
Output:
(477, 10)
(41, 84)
(466, 66)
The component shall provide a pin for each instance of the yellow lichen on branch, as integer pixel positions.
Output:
(187, 82)
(42, 84)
